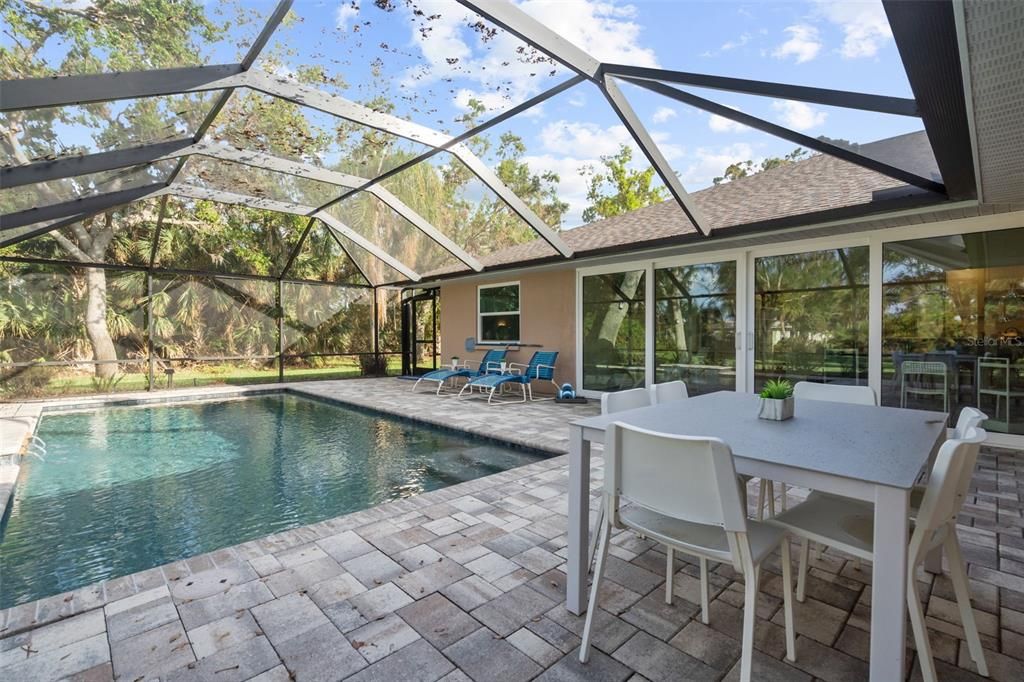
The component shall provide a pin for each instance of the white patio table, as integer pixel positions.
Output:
(869, 453)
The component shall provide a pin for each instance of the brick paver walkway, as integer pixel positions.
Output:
(467, 583)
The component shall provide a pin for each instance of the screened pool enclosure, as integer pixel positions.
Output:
(201, 186)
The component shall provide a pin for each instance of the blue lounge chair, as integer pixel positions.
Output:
(491, 363)
(540, 368)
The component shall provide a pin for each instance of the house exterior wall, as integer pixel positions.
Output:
(547, 304)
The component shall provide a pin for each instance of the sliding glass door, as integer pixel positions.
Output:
(613, 330)
(946, 310)
(810, 316)
(695, 329)
(953, 325)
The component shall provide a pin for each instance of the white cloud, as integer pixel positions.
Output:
(864, 25)
(578, 100)
(721, 124)
(347, 11)
(495, 71)
(570, 146)
(583, 140)
(733, 44)
(798, 115)
(662, 114)
(572, 187)
(603, 29)
(803, 44)
(710, 162)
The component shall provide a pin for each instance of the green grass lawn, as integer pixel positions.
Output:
(61, 382)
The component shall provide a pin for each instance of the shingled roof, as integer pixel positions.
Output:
(808, 188)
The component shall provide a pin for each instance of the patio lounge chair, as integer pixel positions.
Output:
(490, 363)
(541, 367)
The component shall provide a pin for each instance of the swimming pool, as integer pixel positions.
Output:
(125, 489)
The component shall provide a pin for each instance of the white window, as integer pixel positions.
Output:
(498, 313)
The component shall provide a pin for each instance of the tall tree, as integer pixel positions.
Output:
(86, 38)
(741, 169)
(619, 188)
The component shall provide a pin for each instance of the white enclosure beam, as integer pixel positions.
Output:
(490, 178)
(351, 111)
(526, 28)
(313, 98)
(333, 223)
(222, 197)
(653, 153)
(33, 93)
(311, 172)
(183, 189)
(519, 23)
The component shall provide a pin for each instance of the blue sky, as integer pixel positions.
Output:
(430, 61)
(845, 45)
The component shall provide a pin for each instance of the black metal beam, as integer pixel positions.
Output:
(92, 204)
(925, 34)
(69, 166)
(42, 229)
(53, 262)
(462, 137)
(273, 21)
(55, 91)
(899, 106)
(791, 135)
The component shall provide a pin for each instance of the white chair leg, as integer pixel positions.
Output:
(766, 493)
(782, 491)
(801, 573)
(963, 601)
(705, 603)
(787, 599)
(602, 554)
(595, 534)
(749, 616)
(670, 564)
(924, 648)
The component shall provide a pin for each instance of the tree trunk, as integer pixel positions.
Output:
(96, 322)
(615, 315)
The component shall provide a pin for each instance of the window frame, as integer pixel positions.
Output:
(518, 312)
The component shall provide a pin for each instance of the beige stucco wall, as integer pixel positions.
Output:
(547, 303)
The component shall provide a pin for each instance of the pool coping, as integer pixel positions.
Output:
(34, 614)
(16, 619)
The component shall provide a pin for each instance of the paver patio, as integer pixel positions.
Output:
(467, 583)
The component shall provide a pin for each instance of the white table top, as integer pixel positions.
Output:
(885, 445)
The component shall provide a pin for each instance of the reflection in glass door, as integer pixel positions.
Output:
(953, 325)
(613, 331)
(811, 317)
(695, 326)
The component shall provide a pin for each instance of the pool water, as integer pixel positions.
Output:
(126, 489)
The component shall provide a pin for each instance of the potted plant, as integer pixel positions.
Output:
(455, 362)
(776, 400)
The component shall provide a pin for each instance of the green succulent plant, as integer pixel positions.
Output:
(777, 389)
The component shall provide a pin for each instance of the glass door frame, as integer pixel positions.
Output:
(874, 239)
(749, 296)
(736, 256)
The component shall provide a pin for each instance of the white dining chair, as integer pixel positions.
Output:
(668, 391)
(683, 492)
(611, 403)
(849, 526)
(811, 390)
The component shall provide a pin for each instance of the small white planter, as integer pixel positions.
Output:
(776, 410)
